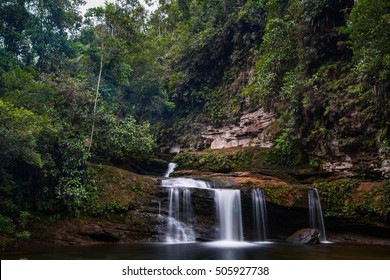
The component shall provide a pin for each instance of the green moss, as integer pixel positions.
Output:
(115, 191)
(345, 199)
(239, 159)
(284, 196)
(106, 209)
(375, 203)
(243, 160)
(213, 161)
(337, 197)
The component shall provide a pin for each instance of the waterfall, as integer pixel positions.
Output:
(171, 168)
(259, 214)
(315, 213)
(179, 222)
(228, 207)
(188, 213)
(184, 183)
(180, 213)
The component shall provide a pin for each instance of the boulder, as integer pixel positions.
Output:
(304, 236)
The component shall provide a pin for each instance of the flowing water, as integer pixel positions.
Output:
(180, 212)
(316, 219)
(171, 168)
(259, 214)
(179, 227)
(184, 183)
(228, 208)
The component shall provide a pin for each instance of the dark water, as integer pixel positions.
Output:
(202, 251)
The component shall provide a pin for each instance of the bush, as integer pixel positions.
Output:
(285, 151)
(71, 183)
(6, 225)
(23, 234)
(122, 139)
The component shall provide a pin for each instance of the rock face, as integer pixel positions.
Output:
(251, 131)
(354, 165)
(340, 161)
(304, 236)
(342, 166)
(385, 168)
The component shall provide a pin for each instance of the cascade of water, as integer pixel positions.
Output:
(228, 207)
(171, 168)
(185, 183)
(188, 214)
(180, 214)
(259, 214)
(178, 228)
(315, 213)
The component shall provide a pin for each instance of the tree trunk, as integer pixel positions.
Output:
(96, 100)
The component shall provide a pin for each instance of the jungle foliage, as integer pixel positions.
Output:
(321, 65)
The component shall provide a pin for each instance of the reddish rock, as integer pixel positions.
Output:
(251, 131)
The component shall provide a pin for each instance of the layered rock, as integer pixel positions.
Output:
(250, 131)
(343, 165)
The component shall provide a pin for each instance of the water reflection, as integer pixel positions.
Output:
(208, 251)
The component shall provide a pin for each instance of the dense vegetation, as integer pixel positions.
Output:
(108, 85)
(321, 65)
(61, 79)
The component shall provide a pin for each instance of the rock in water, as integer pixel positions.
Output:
(304, 236)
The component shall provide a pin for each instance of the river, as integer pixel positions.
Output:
(206, 251)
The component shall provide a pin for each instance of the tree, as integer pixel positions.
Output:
(279, 55)
(122, 139)
(20, 129)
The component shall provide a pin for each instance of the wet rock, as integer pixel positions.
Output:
(304, 236)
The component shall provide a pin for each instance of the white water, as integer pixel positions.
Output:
(171, 168)
(230, 244)
(228, 207)
(181, 216)
(259, 214)
(179, 222)
(180, 213)
(228, 212)
(185, 183)
(315, 213)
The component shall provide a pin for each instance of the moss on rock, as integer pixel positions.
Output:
(366, 201)
(117, 191)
